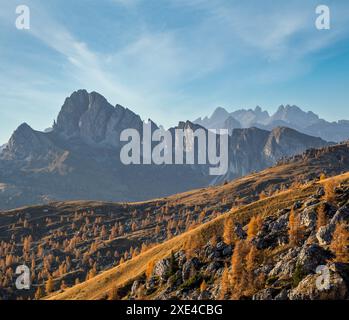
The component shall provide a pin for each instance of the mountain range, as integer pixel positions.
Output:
(79, 158)
(286, 116)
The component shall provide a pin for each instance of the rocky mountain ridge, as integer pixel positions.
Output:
(79, 159)
(286, 116)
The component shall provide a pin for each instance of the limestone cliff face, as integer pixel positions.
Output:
(255, 149)
(285, 142)
(91, 117)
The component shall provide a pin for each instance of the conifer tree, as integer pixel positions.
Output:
(340, 243)
(253, 227)
(225, 284)
(228, 232)
(295, 231)
(238, 272)
(49, 287)
(321, 217)
(149, 269)
(251, 264)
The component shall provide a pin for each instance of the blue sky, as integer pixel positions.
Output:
(172, 60)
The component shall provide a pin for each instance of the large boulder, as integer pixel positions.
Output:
(324, 234)
(285, 266)
(308, 217)
(311, 256)
(273, 232)
(342, 215)
(135, 286)
(162, 268)
(180, 258)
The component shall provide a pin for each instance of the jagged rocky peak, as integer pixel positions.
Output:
(84, 114)
(260, 113)
(91, 117)
(72, 110)
(24, 142)
(93, 123)
(294, 114)
(219, 113)
(22, 135)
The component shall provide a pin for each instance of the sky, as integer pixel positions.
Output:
(172, 60)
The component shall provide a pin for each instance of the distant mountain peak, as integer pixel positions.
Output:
(285, 116)
(24, 128)
(219, 113)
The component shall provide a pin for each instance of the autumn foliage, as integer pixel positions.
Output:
(340, 243)
(295, 231)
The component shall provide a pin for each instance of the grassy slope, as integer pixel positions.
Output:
(98, 287)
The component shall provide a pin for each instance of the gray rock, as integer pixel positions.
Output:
(298, 205)
(265, 294)
(239, 231)
(311, 202)
(284, 268)
(227, 251)
(273, 232)
(213, 267)
(180, 258)
(342, 215)
(220, 246)
(320, 192)
(311, 256)
(136, 284)
(308, 217)
(162, 268)
(283, 295)
(324, 234)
